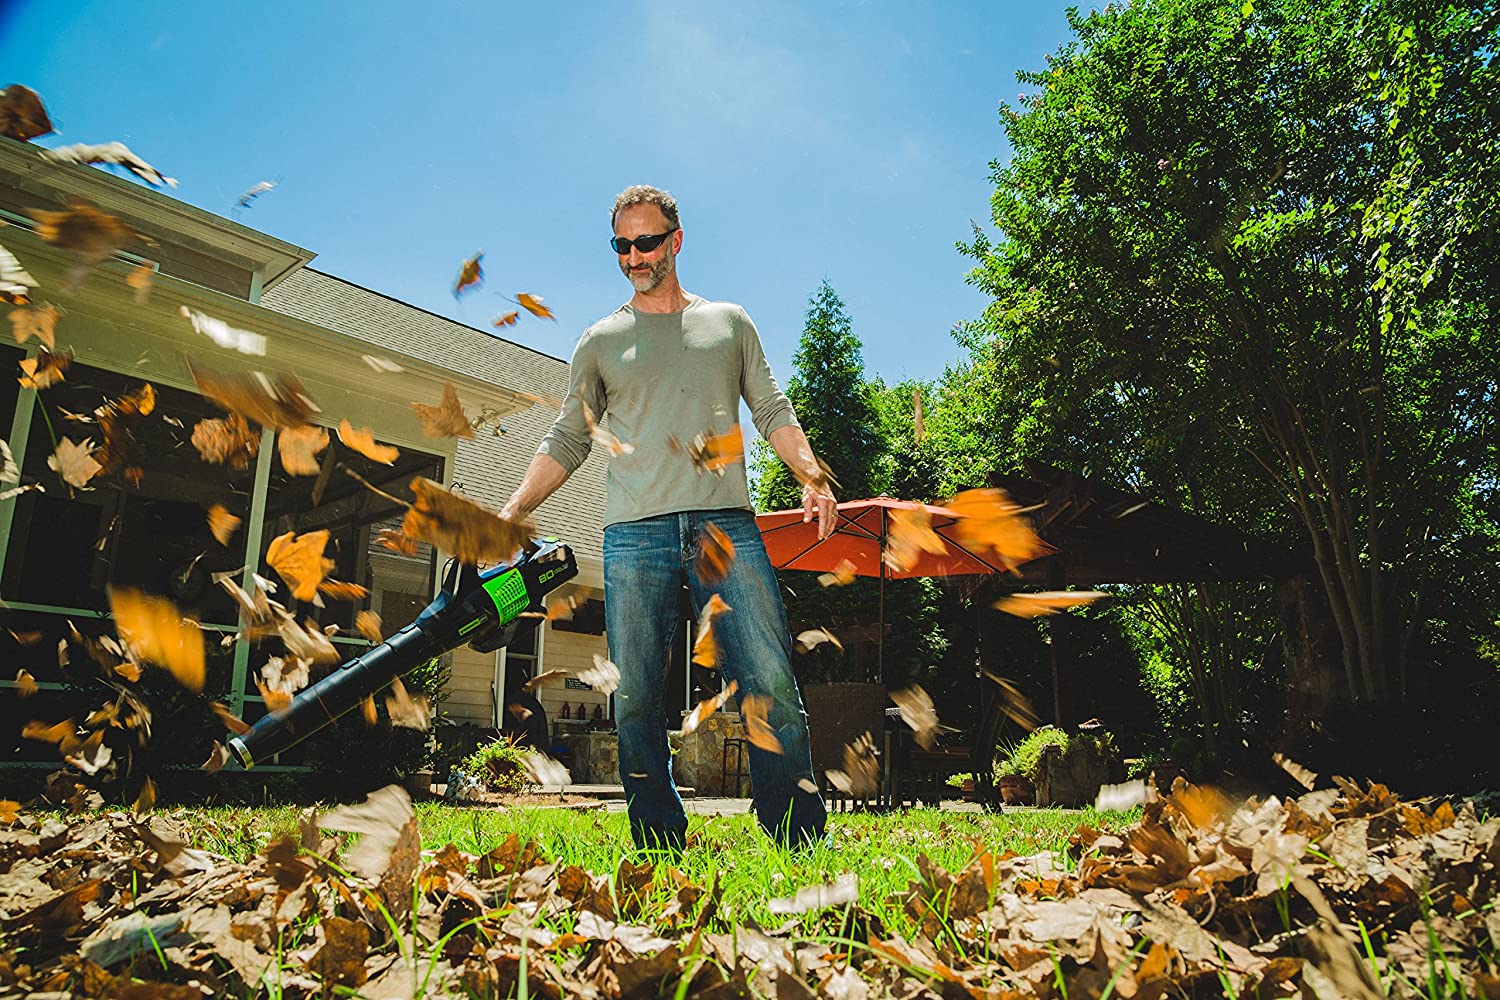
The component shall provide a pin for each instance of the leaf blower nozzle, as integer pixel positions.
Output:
(486, 609)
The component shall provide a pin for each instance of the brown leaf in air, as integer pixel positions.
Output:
(276, 701)
(146, 799)
(217, 758)
(299, 560)
(470, 274)
(36, 322)
(299, 448)
(842, 575)
(543, 679)
(156, 632)
(44, 733)
(254, 397)
(909, 536)
(815, 637)
(367, 624)
(363, 441)
(396, 541)
(753, 711)
(917, 711)
(1304, 776)
(45, 370)
(1046, 602)
(113, 154)
(25, 683)
(604, 436)
(118, 420)
(228, 441)
(507, 319)
(467, 531)
(222, 523)
(989, 522)
(1016, 706)
(412, 712)
(341, 591)
(707, 707)
(603, 676)
(705, 646)
(10, 811)
(129, 669)
(860, 777)
(533, 305)
(367, 709)
(91, 235)
(518, 711)
(232, 722)
(22, 115)
(141, 279)
(713, 453)
(715, 554)
(447, 419)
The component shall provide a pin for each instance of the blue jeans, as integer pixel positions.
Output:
(646, 563)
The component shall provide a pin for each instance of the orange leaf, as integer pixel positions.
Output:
(82, 228)
(461, 527)
(129, 669)
(917, 711)
(533, 305)
(146, 799)
(715, 554)
(252, 396)
(707, 707)
(367, 624)
(447, 419)
(989, 521)
(231, 721)
(228, 441)
(604, 436)
(299, 447)
(1015, 705)
(222, 523)
(156, 632)
(714, 453)
(409, 711)
(45, 370)
(910, 535)
(276, 701)
(300, 561)
(842, 575)
(470, 274)
(507, 319)
(815, 637)
(25, 684)
(363, 441)
(36, 321)
(753, 710)
(10, 811)
(44, 733)
(706, 647)
(341, 591)
(141, 279)
(1048, 602)
(367, 707)
(393, 539)
(543, 678)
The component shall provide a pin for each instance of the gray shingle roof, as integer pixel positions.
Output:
(488, 467)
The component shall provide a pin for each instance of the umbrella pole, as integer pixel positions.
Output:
(880, 644)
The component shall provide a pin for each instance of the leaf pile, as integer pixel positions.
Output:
(1342, 892)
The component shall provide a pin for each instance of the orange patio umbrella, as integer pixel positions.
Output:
(860, 538)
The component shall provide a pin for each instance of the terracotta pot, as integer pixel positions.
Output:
(1016, 790)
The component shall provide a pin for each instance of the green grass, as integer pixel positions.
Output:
(880, 849)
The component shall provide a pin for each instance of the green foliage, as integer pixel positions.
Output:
(1026, 759)
(499, 765)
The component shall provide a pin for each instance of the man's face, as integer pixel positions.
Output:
(646, 270)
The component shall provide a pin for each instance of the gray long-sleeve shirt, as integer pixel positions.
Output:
(663, 375)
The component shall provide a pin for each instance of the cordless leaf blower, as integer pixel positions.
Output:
(482, 608)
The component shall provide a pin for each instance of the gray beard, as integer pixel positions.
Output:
(651, 279)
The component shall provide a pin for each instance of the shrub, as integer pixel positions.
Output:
(498, 765)
(1025, 758)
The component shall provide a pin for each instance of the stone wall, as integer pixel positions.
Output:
(699, 760)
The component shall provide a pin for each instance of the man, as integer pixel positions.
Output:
(664, 368)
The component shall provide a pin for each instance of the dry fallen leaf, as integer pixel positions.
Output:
(35, 322)
(299, 448)
(1015, 705)
(447, 419)
(44, 733)
(705, 646)
(917, 711)
(713, 453)
(603, 676)
(254, 397)
(221, 333)
(860, 777)
(989, 522)
(379, 820)
(412, 712)
(460, 527)
(753, 711)
(276, 701)
(25, 683)
(285, 674)
(382, 365)
(910, 535)
(842, 575)
(1046, 602)
(341, 591)
(15, 283)
(45, 370)
(146, 799)
(715, 555)
(367, 709)
(10, 811)
(1304, 776)
(91, 235)
(533, 305)
(470, 274)
(22, 115)
(396, 541)
(228, 441)
(545, 771)
(253, 192)
(299, 560)
(507, 319)
(843, 892)
(363, 441)
(222, 523)
(231, 721)
(367, 624)
(217, 758)
(603, 436)
(707, 707)
(10, 472)
(543, 679)
(815, 637)
(142, 278)
(157, 633)
(112, 153)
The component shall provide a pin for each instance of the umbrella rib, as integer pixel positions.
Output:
(977, 558)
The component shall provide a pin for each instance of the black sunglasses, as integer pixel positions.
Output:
(645, 244)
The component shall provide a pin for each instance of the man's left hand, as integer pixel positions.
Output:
(821, 504)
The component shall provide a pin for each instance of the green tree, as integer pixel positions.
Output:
(1200, 229)
(834, 405)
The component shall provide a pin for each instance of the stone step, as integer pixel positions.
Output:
(608, 791)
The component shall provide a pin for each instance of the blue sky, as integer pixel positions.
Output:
(846, 140)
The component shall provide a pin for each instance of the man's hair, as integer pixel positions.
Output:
(645, 194)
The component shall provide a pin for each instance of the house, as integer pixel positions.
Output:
(138, 319)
